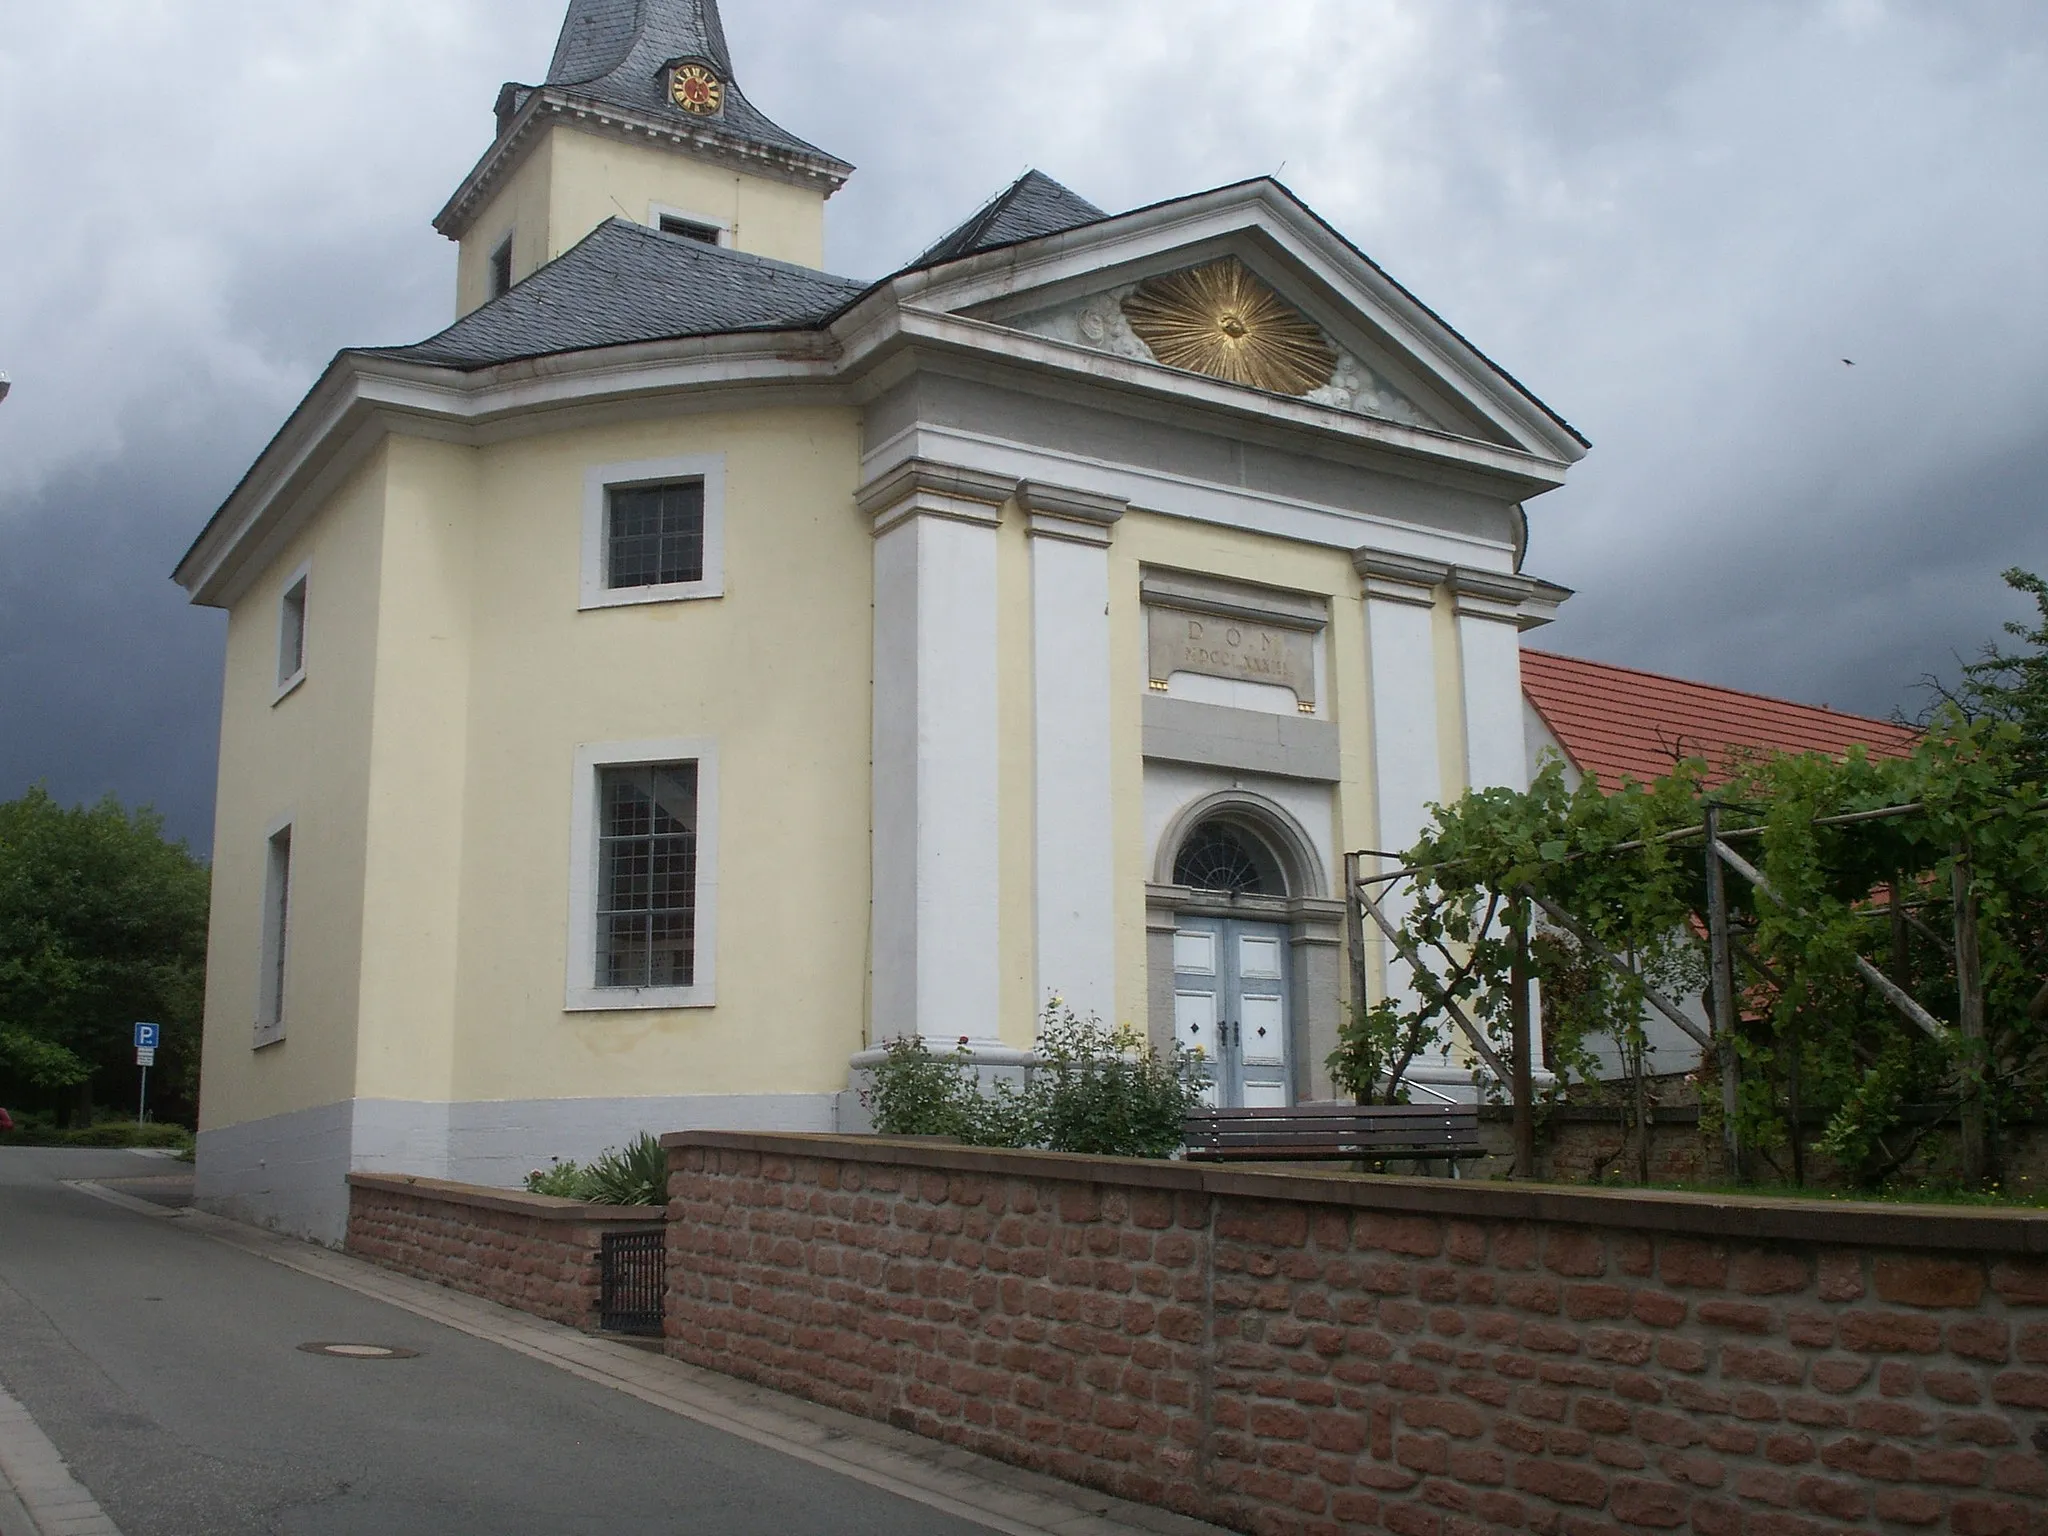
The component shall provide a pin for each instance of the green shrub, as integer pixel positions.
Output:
(107, 1134)
(1095, 1089)
(562, 1180)
(636, 1174)
(1107, 1091)
(917, 1093)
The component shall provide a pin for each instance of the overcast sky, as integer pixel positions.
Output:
(1672, 221)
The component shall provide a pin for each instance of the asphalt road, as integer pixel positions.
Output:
(166, 1368)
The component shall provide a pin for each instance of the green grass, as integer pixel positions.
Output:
(2022, 1195)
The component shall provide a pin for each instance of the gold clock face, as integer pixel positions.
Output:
(695, 89)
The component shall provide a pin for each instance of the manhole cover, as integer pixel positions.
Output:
(361, 1351)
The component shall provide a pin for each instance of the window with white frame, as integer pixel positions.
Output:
(277, 929)
(644, 878)
(654, 531)
(291, 634)
(654, 535)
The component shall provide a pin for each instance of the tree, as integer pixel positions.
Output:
(2013, 686)
(102, 923)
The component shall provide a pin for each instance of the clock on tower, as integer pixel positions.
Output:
(696, 90)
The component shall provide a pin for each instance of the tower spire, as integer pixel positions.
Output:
(654, 79)
(602, 37)
(624, 53)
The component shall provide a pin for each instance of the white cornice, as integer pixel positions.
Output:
(363, 396)
(875, 328)
(1393, 577)
(879, 340)
(1063, 512)
(924, 488)
(549, 105)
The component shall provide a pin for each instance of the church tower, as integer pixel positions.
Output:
(641, 118)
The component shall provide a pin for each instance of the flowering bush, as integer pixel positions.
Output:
(1093, 1089)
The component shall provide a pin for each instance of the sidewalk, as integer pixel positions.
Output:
(940, 1477)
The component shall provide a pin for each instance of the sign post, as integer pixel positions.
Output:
(146, 1037)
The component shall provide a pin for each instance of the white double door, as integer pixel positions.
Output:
(1230, 1001)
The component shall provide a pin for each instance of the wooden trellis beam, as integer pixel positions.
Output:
(1891, 991)
(1458, 1015)
(1651, 995)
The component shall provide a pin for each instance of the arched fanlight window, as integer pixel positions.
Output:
(1218, 857)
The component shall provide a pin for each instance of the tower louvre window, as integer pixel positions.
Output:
(690, 229)
(501, 268)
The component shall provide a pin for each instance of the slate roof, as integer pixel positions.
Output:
(1618, 723)
(1032, 206)
(612, 52)
(624, 283)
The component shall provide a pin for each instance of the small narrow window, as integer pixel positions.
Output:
(647, 876)
(501, 268)
(654, 535)
(291, 634)
(690, 229)
(277, 927)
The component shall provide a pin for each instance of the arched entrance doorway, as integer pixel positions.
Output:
(1240, 936)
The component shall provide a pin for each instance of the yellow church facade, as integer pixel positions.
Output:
(691, 670)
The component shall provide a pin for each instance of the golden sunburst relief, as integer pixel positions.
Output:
(1221, 320)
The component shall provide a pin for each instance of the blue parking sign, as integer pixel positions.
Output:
(146, 1036)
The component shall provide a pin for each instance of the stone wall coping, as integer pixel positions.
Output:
(518, 1202)
(1753, 1217)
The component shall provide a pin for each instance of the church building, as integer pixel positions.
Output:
(691, 670)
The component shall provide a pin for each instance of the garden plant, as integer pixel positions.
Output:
(1888, 964)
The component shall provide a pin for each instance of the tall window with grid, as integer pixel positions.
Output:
(654, 535)
(647, 876)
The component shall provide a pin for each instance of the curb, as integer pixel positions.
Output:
(38, 1495)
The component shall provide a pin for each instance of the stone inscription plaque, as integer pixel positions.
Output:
(1238, 649)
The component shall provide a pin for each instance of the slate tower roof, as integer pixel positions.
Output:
(612, 56)
(613, 51)
(1032, 206)
(625, 283)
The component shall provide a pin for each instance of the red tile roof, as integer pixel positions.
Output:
(1618, 723)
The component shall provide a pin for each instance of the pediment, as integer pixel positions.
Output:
(1219, 318)
(1220, 285)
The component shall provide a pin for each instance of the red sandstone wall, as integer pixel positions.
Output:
(1490, 1360)
(525, 1251)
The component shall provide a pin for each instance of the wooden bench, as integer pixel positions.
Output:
(1335, 1133)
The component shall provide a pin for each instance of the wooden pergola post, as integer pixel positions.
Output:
(1722, 986)
(1519, 1015)
(1354, 927)
(1970, 1021)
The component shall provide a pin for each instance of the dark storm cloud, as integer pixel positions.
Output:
(1671, 221)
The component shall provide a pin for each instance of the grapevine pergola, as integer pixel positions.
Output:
(1510, 888)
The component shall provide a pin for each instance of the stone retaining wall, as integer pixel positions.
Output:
(1302, 1353)
(532, 1252)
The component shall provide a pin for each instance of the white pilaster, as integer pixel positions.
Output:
(1400, 627)
(936, 910)
(1074, 869)
(1400, 599)
(1489, 613)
